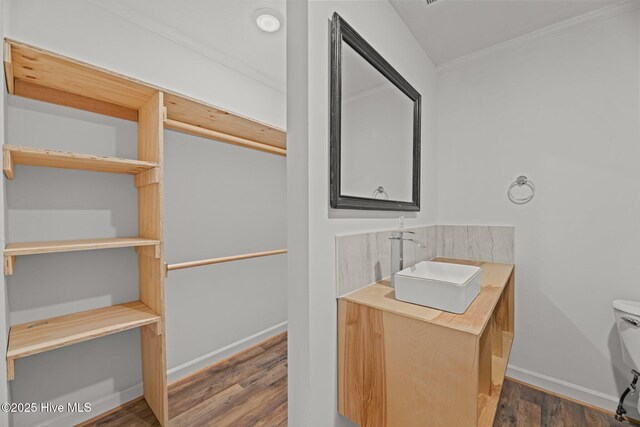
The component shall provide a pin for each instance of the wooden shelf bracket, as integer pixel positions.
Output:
(9, 264)
(11, 369)
(151, 176)
(8, 68)
(7, 163)
(149, 251)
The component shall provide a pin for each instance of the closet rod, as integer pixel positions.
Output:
(199, 263)
(212, 134)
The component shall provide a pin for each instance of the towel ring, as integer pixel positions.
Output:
(380, 190)
(519, 182)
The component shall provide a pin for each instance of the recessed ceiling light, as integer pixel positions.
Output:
(267, 22)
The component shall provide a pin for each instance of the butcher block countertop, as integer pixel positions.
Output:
(495, 277)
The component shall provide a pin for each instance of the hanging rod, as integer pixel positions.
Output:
(212, 134)
(202, 262)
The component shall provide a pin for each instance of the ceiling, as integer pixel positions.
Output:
(450, 29)
(223, 30)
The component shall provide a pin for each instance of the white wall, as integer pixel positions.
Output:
(563, 110)
(219, 200)
(312, 276)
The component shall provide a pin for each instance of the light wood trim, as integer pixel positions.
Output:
(501, 330)
(509, 298)
(66, 99)
(496, 330)
(149, 251)
(485, 361)
(151, 269)
(7, 163)
(488, 404)
(9, 265)
(66, 160)
(48, 334)
(219, 136)
(178, 266)
(151, 176)
(11, 369)
(157, 328)
(8, 68)
(32, 248)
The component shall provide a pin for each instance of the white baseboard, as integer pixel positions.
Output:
(573, 391)
(98, 407)
(192, 366)
(116, 399)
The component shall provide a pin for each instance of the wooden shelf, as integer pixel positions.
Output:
(44, 335)
(488, 404)
(38, 74)
(32, 248)
(14, 155)
(14, 250)
(197, 113)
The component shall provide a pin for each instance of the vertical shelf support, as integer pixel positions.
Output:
(150, 225)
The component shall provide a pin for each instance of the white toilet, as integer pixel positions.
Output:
(628, 323)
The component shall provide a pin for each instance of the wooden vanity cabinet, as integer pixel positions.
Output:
(406, 365)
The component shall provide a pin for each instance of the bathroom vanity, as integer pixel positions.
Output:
(404, 365)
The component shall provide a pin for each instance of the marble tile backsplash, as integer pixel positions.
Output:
(362, 259)
(476, 242)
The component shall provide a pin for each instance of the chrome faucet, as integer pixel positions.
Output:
(397, 251)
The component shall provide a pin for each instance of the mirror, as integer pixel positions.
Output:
(375, 128)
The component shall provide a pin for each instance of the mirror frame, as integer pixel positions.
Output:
(342, 31)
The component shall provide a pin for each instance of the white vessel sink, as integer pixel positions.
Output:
(448, 287)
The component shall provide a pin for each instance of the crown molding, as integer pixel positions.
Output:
(597, 15)
(148, 23)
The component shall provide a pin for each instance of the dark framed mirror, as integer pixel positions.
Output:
(374, 128)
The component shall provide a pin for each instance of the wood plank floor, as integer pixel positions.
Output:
(524, 406)
(250, 389)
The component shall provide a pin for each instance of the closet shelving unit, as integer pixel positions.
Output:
(45, 76)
